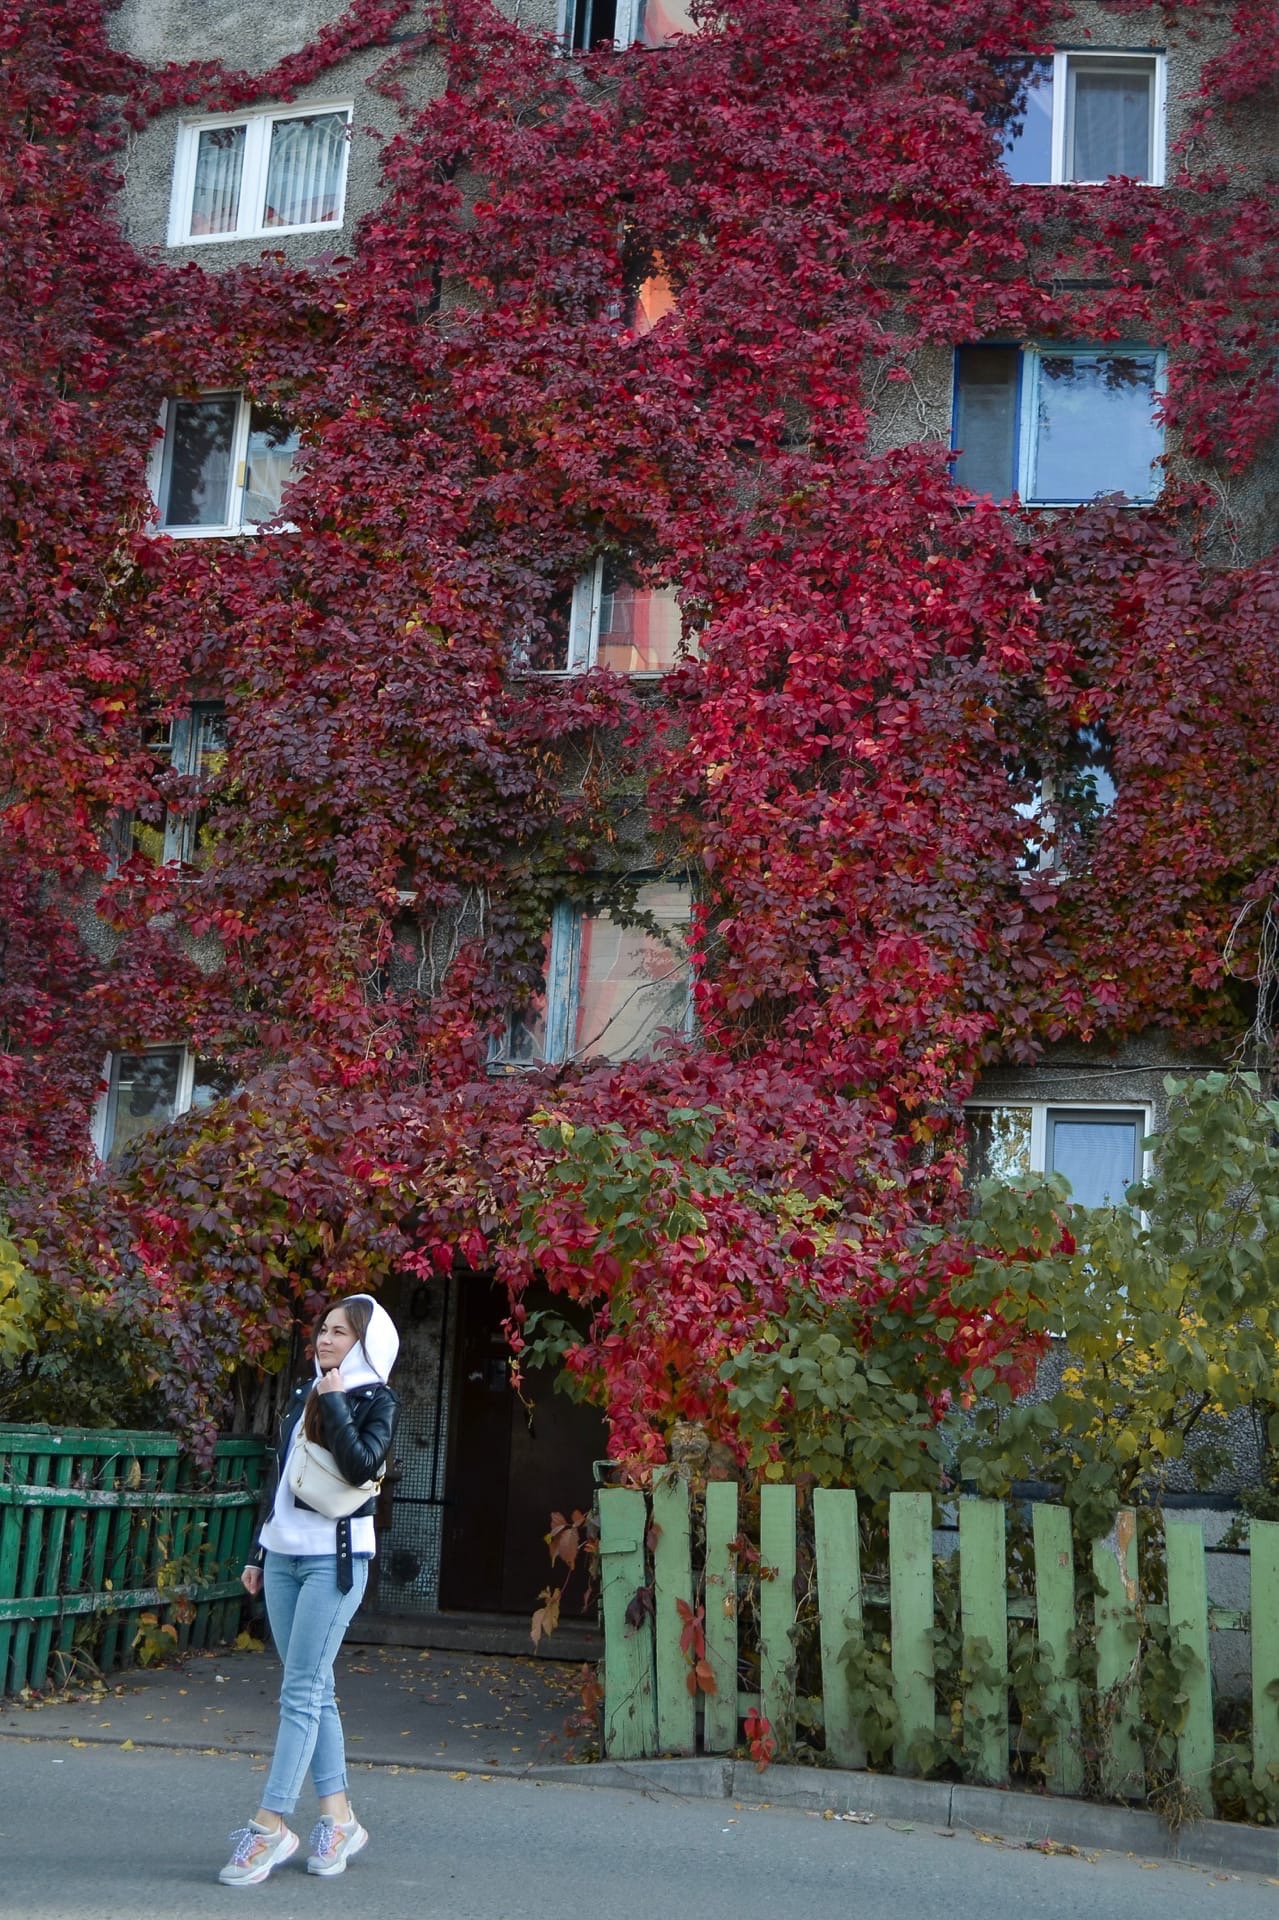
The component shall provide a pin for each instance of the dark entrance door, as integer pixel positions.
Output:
(508, 1469)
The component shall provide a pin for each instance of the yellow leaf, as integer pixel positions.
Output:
(127, 1746)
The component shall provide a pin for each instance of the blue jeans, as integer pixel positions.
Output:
(308, 1618)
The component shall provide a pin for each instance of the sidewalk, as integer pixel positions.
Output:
(399, 1707)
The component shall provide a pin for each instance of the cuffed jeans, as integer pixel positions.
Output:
(308, 1616)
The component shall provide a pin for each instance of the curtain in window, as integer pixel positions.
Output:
(219, 163)
(660, 20)
(1098, 1157)
(304, 176)
(639, 627)
(1110, 125)
(271, 457)
(632, 984)
(197, 472)
(655, 299)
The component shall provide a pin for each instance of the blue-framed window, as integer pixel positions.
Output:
(613, 987)
(1058, 425)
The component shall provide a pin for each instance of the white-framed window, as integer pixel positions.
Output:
(609, 621)
(149, 1089)
(611, 989)
(646, 23)
(1080, 118)
(222, 466)
(1098, 1148)
(194, 745)
(1058, 425)
(1067, 805)
(240, 175)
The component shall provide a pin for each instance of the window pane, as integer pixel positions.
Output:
(1094, 430)
(1110, 121)
(197, 462)
(1028, 147)
(146, 1095)
(219, 163)
(630, 983)
(660, 20)
(998, 1144)
(593, 21)
(524, 1042)
(211, 1082)
(304, 175)
(206, 761)
(986, 419)
(271, 459)
(1098, 1156)
(639, 626)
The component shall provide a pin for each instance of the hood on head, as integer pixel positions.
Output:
(374, 1356)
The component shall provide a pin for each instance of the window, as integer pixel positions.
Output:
(148, 1090)
(1068, 804)
(242, 175)
(194, 745)
(608, 621)
(1098, 1149)
(1080, 117)
(223, 466)
(1058, 425)
(645, 23)
(611, 989)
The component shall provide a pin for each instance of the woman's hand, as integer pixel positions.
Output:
(330, 1382)
(251, 1580)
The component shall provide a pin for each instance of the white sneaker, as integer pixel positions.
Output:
(254, 1851)
(333, 1843)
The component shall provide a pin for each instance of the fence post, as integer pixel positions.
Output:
(983, 1606)
(1263, 1600)
(1188, 1631)
(777, 1612)
(630, 1707)
(839, 1602)
(910, 1568)
(672, 1582)
(719, 1709)
(1118, 1634)
(1055, 1624)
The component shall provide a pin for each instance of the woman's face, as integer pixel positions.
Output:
(334, 1340)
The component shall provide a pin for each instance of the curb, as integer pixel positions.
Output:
(1028, 1818)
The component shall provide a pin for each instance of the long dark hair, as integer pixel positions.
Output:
(359, 1311)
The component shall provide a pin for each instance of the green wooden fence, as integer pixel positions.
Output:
(97, 1528)
(649, 1708)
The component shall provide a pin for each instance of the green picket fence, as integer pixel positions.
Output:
(648, 1568)
(98, 1528)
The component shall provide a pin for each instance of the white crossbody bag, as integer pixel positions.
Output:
(316, 1480)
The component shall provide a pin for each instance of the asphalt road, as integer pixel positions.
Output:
(97, 1833)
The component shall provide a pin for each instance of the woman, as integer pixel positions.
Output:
(313, 1572)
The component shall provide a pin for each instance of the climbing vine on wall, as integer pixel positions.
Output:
(888, 668)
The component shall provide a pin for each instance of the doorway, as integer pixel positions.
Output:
(508, 1466)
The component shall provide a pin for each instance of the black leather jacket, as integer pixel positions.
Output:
(359, 1427)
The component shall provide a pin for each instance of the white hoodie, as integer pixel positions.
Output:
(295, 1529)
